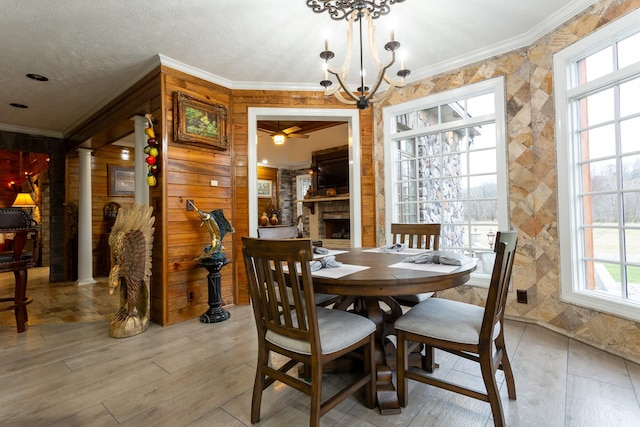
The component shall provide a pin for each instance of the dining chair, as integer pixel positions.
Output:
(288, 232)
(291, 232)
(418, 236)
(300, 330)
(466, 330)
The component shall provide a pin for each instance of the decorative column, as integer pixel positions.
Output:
(141, 188)
(213, 265)
(85, 251)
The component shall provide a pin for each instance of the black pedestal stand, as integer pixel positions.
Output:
(213, 265)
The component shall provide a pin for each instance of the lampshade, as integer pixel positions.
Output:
(23, 200)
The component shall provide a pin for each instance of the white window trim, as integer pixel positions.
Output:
(496, 86)
(300, 194)
(565, 82)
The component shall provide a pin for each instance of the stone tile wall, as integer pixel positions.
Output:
(532, 180)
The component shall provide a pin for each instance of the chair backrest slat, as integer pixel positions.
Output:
(505, 250)
(419, 236)
(281, 287)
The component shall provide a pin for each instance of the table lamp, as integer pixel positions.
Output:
(24, 200)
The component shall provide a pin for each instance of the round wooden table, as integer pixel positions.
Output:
(365, 289)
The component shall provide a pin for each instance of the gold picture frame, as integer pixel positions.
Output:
(199, 123)
(120, 181)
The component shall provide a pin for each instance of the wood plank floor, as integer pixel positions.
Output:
(66, 371)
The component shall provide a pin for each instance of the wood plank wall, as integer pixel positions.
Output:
(187, 172)
(242, 100)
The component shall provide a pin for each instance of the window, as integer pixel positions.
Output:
(597, 84)
(446, 163)
(303, 183)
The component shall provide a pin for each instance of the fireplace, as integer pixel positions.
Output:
(330, 221)
(339, 228)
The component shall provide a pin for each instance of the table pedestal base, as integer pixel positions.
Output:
(213, 265)
(386, 392)
(385, 351)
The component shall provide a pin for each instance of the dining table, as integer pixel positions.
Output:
(369, 279)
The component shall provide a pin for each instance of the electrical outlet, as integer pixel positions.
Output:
(191, 296)
(190, 205)
(521, 296)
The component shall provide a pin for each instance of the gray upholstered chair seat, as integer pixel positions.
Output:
(338, 329)
(446, 320)
(414, 299)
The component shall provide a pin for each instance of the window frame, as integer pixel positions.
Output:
(567, 90)
(497, 87)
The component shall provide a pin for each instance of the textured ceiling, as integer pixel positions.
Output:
(93, 50)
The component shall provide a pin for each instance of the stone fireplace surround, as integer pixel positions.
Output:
(330, 221)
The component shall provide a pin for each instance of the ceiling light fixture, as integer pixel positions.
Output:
(279, 138)
(351, 11)
(37, 77)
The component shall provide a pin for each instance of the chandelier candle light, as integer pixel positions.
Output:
(359, 10)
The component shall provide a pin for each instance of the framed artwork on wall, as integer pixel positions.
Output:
(199, 123)
(120, 180)
(264, 188)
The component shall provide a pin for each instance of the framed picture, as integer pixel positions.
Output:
(120, 181)
(264, 187)
(199, 123)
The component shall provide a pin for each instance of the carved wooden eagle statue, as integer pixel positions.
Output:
(131, 242)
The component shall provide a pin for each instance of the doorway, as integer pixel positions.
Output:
(351, 117)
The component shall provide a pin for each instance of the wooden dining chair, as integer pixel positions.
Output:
(418, 236)
(299, 330)
(466, 330)
(291, 232)
(287, 232)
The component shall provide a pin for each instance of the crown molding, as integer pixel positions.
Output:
(31, 131)
(519, 42)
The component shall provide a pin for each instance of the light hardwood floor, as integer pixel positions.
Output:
(71, 373)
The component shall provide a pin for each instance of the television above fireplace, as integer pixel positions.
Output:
(331, 167)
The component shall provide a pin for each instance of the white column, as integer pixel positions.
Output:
(85, 250)
(141, 170)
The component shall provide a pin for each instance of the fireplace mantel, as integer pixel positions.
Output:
(311, 201)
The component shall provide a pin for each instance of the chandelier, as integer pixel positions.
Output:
(352, 11)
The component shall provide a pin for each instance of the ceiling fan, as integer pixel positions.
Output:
(280, 136)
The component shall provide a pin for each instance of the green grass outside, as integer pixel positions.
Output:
(633, 273)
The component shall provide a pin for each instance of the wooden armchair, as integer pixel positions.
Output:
(16, 224)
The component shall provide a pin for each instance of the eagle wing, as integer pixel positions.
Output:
(134, 256)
